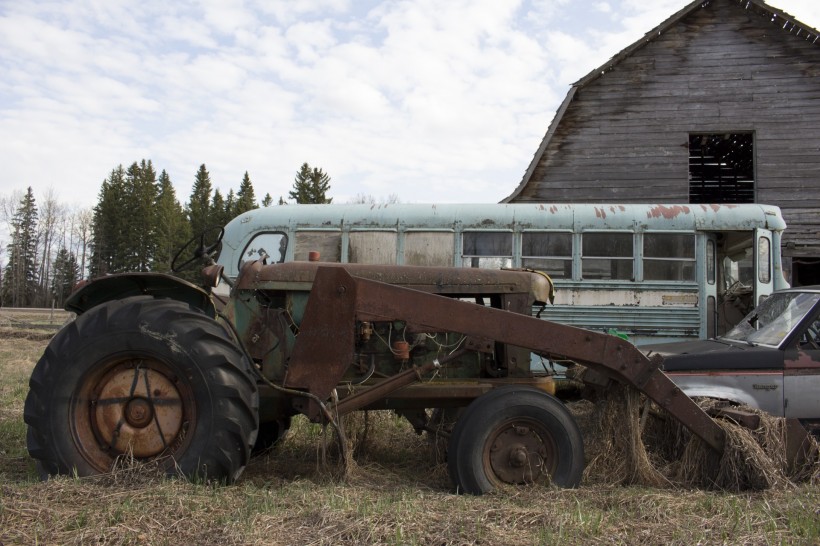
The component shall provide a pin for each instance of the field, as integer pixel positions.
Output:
(397, 493)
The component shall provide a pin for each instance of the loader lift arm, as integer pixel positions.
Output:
(326, 343)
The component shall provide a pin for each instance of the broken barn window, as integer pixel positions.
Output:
(486, 249)
(721, 168)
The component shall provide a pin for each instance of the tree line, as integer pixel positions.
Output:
(138, 224)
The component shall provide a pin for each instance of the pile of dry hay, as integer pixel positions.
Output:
(630, 441)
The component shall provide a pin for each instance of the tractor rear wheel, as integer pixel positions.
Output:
(515, 435)
(152, 379)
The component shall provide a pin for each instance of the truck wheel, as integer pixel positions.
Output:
(515, 435)
(153, 379)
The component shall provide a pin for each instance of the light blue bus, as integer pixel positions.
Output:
(653, 272)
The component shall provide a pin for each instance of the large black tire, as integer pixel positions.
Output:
(515, 435)
(150, 378)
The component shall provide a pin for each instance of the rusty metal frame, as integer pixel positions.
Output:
(326, 343)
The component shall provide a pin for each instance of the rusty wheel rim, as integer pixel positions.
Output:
(133, 406)
(520, 451)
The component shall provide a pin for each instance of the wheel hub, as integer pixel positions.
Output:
(518, 455)
(137, 410)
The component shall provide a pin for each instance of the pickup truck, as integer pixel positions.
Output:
(769, 361)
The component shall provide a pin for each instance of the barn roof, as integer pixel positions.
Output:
(779, 19)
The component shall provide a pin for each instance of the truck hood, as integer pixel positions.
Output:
(714, 354)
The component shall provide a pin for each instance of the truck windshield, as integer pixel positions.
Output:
(772, 320)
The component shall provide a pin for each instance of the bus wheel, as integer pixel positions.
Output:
(145, 379)
(515, 435)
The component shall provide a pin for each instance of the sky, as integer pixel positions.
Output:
(430, 101)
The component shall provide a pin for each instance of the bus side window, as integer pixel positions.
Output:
(548, 252)
(372, 247)
(327, 243)
(432, 248)
(668, 257)
(607, 256)
(486, 249)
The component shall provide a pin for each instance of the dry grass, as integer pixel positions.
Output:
(396, 494)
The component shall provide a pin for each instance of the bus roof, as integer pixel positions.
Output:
(519, 216)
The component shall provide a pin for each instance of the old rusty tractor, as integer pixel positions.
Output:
(162, 370)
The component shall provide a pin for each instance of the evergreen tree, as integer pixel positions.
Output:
(230, 204)
(245, 198)
(219, 213)
(199, 205)
(172, 228)
(108, 227)
(310, 186)
(141, 185)
(267, 200)
(123, 227)
(66, 275)
(20, 283)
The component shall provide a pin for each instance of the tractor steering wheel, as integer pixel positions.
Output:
(203, 252)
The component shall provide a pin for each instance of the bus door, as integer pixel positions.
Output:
(736, 277)
(763, 279)
(745, 274)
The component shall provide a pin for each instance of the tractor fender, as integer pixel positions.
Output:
(124, 285)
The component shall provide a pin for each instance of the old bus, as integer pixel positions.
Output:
(653, 272)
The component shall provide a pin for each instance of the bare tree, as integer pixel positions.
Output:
(51, 215)
(368, 199)
(8, 206)
(81, 237)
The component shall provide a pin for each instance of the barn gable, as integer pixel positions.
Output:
(719, 103)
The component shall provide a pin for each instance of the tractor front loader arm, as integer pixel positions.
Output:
(326, 342)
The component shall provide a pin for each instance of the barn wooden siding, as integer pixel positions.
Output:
(721, 66)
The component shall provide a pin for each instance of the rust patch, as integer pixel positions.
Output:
(668, 212)
(801, 360)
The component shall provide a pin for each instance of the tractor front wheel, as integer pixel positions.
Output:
(515, 436)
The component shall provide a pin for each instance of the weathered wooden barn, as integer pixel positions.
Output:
(718, 104)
